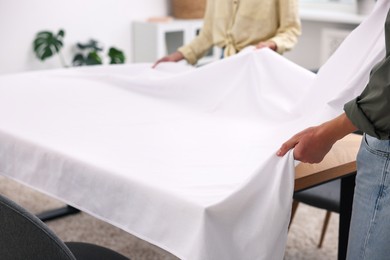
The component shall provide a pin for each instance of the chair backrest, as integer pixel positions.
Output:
(24, 236)
(325, 196)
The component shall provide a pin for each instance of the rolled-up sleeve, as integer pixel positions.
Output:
(197, 48)
(289, 28)
(370, 112)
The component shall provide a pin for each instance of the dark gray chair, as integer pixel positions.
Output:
(325, 196)
(24, 236)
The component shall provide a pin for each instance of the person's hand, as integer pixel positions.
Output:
(312, 144)
(174, 57)
(267, 44)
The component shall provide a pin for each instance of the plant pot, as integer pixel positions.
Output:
(364, 7)
(188, 9)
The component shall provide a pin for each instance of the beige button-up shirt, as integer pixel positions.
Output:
(236, 24)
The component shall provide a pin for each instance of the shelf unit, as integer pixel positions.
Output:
(152, 40)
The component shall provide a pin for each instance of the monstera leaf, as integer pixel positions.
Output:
(46, 44)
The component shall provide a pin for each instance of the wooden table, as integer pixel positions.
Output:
(340, 162)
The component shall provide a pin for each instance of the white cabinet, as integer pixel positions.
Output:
(152, 40)
(322, 32)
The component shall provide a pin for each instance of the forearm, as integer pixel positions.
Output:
(197, 48)
(337, 128)
(194, 50)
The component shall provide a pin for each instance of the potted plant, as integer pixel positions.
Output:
(89, 54)
(46, 44)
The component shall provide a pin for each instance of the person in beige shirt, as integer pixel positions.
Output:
(235, 24)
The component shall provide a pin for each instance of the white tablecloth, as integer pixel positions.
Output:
(181, 157)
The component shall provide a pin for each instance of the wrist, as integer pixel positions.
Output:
(337, 128)
(177, 56)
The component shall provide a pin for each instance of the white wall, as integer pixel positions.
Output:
(108, 21)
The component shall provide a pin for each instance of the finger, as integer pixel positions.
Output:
(155, 64)
(287, 146)
(297, 154)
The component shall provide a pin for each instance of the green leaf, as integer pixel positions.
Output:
(116, 56)
(93, 58)
(46, 54)
(46, 44)
(78, 60)
(61, 33)
(91, 45)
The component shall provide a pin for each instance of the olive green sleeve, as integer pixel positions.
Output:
(370, 112)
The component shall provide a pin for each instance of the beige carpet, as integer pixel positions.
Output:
(302, 238)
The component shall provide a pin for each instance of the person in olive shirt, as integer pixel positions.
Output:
(236, 24)
(369, 236)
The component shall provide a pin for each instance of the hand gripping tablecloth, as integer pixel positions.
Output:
(183, 158)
